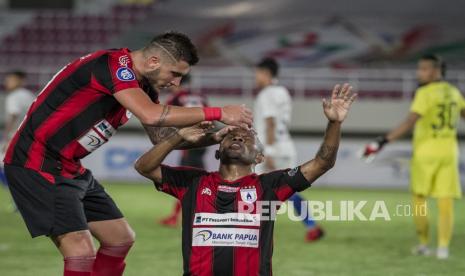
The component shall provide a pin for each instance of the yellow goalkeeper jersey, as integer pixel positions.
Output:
(435, 134)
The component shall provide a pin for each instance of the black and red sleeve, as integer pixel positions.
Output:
(113, 75)
(176, 181)
(284, 183)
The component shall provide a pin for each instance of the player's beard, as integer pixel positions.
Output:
(153, 78)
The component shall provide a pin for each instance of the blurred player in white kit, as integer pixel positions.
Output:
(272, 116)
(17, 102)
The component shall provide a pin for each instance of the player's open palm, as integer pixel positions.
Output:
(337, 108)
(194, 133)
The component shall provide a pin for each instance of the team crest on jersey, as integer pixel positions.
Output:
(249, 194)
(206, 191)
(124, 60)
(125, 74)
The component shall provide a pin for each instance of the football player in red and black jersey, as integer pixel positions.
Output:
(219, 237)
(79, 110)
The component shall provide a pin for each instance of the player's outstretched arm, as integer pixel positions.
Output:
(403, 128)
(150, 113)
(157, 134)
(336, 110)
(373, 148)
(149, 163)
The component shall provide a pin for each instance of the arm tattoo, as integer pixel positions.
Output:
(327, 154)
(164, 114)
(158, 134)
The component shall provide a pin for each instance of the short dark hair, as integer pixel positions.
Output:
(269, 64)
(19, 74)
(437, 62)
(178, 45)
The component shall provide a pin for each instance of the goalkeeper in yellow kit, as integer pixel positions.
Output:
(434, 114)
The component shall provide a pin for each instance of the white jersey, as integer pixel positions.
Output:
(17, 103)
(274, 101)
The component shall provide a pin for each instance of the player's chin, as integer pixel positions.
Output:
(234, 153)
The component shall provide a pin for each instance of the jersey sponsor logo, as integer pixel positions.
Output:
(91, 141)
(227, 189)
(249, 194)
(237, 237)
(242, 219)
(97, 135)
(105, 129)
(125, 74)
(292, 172)
(124, 60)
(206, 191)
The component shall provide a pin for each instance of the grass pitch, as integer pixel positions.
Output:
(349, 248)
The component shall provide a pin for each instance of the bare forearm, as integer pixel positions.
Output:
(175, 116)
(326, 155)
(404, 127)
(398, 132)
(150, 113)
(158, 134)
(206, 141)
(151, 160)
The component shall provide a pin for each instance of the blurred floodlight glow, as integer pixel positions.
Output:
(234, 9)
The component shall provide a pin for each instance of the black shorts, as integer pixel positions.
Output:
(64, 206)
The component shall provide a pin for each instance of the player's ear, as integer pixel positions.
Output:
(259, 158)
(153, 62)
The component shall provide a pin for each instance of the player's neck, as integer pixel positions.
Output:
(231, 172)
(13, 89)
(267, 83)
(138, 60)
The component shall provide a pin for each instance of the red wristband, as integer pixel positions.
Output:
(212, 113)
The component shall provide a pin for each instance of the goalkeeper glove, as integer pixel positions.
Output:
(372, 149)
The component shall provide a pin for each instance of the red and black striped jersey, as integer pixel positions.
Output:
(75, 113)
(219, 235)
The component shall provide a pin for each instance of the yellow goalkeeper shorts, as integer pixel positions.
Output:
(435, 177)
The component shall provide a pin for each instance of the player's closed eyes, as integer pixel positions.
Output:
(176, 74)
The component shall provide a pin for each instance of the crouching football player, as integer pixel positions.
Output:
(219, 239)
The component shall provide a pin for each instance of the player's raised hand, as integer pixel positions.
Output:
(220, 134)
(237, 115)
(194, 133)
(337, 108)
